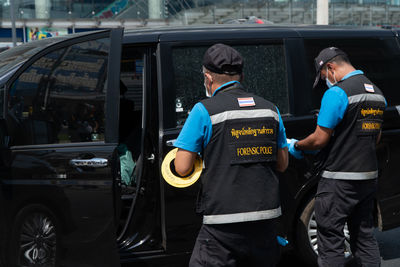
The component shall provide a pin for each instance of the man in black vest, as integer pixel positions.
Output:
(348, 129)
(242, 141)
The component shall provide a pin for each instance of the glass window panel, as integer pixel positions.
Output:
(61, 97)
(264, 75)
(13, 57)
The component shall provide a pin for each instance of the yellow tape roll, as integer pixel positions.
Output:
(177, 181)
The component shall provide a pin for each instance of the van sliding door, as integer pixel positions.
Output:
(181, 88)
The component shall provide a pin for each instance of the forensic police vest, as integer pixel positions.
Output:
(350, 154)
(238, 183)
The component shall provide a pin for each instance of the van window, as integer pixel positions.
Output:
(60, 98)
(379, 59)
(264, 75)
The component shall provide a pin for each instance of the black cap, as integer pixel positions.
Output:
(324, 56)
(223, 59)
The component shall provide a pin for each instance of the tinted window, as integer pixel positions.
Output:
(60, 98)
(378, 58)
(17, 55)
(264, 75)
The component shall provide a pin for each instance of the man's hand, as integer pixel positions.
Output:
(293, 151)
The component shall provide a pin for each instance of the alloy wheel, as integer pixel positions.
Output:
(312, 236)
(37, 241)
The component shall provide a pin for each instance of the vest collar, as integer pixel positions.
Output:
(225, 86)
(350, 74)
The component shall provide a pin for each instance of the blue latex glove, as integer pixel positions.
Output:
(293, 151)
(282, 241)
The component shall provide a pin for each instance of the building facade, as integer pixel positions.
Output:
(36, 19)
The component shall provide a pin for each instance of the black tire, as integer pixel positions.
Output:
(306, 231)
(306, 244)
(35, 239)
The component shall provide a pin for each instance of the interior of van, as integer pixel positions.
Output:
(130, 128)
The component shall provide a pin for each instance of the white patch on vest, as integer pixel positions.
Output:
(369, 88)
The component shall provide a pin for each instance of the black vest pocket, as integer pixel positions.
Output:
(252, 152)
(368, 127)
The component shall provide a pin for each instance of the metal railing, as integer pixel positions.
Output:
(342, 12)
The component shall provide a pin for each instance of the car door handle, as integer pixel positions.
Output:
(170, 142)
(94, 162)
(151, 158)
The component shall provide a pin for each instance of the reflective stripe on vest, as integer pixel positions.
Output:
(242, 217)
(350, 175)
(366, 97)
(243, 114)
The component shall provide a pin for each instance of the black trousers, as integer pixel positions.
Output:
(338, 202)
(238, 244)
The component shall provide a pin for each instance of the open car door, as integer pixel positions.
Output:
(62, 105)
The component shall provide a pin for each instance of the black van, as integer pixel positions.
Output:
(70, 105)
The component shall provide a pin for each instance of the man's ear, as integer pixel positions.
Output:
(328, 66)
(331, 66)
(209, 76)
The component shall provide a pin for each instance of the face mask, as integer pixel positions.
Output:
(207, 92)
(328, 83)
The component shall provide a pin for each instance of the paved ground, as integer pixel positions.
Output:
(389, 246)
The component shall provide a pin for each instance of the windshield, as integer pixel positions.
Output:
(17, 55)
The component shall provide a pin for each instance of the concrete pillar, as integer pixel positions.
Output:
(155, 9)
(322, 12)
(312, 13)
(42, 9)
(386, 14)
(13, 28)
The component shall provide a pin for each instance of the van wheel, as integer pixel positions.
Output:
(34, 238)
(307, 245)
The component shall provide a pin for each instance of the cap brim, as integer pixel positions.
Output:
(316, 79)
